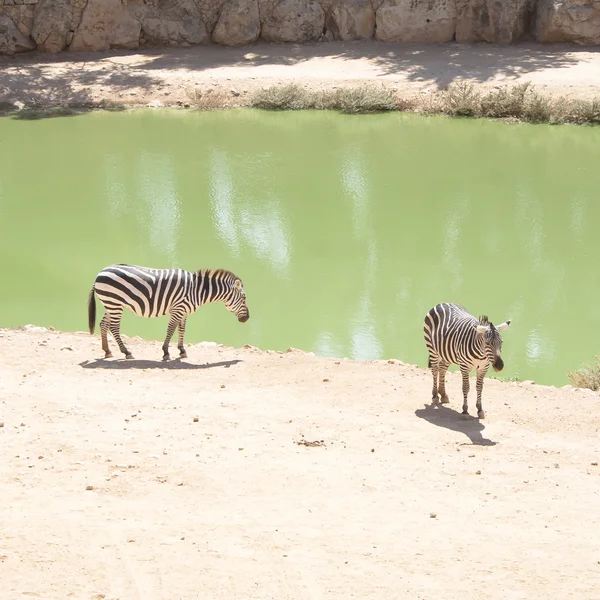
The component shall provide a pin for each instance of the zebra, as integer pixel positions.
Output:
(453, 336)
(157, 292)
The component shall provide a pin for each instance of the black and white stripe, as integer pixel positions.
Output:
(454, 336)
(158, 292)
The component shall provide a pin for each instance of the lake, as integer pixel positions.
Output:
(346, 230)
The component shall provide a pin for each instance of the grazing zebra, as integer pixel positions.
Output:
(453, 336)
(158, 292)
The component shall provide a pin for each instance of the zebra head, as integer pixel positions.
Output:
(236, 301)
(492, 340)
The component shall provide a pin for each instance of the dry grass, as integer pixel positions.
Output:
(461, 99)
(212, 99)
(284, 97)
(361, 100)
(588, 376)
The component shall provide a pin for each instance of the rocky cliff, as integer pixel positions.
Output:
(89, 25)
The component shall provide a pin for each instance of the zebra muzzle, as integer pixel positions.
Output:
(498, 364)
(243, 318)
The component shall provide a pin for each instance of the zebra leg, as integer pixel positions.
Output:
(442, 385)
(465, 377)
(104, 325)
(173, 324)
(434, 364)
(181, 327)
(480, 375)
(115, 326)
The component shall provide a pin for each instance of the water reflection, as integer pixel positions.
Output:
(260, 223)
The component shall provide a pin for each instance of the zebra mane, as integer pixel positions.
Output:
(483, 320)
(222, 274)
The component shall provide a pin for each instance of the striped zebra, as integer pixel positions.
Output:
(158, 292)
(453, 336)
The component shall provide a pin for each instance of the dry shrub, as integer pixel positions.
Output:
(504, 103)
(283, 97)
(360, 100)
(211, 99)
(461, 99)
(588, 376)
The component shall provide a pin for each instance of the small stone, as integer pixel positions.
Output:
(66, 348)
(240, 449)
(325, 380)
(195, 419)
(372, 449)
(222, 386)
(594, 464)
(478, 472)
(89, 487)
(432, 515)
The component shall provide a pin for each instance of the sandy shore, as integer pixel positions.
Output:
(165, 77)
(246, 474)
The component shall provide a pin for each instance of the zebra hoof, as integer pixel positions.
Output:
(481, 414)
(435, 399)
(166, 357)
(129, 356)
(108, 355)
(445, 399)
(183, 354)
(465, 416)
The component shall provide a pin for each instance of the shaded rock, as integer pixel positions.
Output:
(238, 24)
(294, 21)
(409, 21)
(108, 24)
(175, 23)
(575, 21)
(492, 21)
(11, 39)
(21, 15)
(51, 25)
(351, 20)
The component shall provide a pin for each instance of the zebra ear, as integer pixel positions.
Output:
(503, 326)
(238, 284)
(482, 328)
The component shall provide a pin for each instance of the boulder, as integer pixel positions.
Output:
(238, 24)
(108, 24)
(11, 39)
(294, 21)
(491, 21)
(351, 20)
(430, 21)
(174, 23)
(51, 25)
(576, 21)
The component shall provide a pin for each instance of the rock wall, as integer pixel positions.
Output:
(90, 25)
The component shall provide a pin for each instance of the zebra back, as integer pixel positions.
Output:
(451, 335)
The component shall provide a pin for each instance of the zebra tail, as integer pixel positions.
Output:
(92, 311)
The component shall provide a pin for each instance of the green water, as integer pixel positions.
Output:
(345, 229)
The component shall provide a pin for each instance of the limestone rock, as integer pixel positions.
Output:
(176, 23)
(351, 20)
(575, 21)
(108, 24)
(238, 24)
(492, 21)
(294, 21)
(11, 39)
(51, 25)
(429, 21)
(21, 15)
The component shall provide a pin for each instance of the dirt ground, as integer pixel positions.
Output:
(166, 77)
(241, 474)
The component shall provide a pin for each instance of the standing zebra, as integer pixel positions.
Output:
(453, 336)
(158, 292)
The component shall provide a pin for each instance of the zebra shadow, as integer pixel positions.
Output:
(175, 364)
(443, 416)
